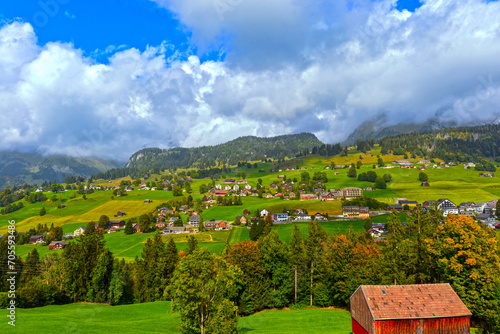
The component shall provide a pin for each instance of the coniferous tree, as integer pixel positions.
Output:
(297, 256)
(275, 259)
(192, 244)
(314, 246)
(128, 227)
(31, 266)
(103, 221)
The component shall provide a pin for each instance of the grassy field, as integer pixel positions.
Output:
(158, 318)
(455, 183)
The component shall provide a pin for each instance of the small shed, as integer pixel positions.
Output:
(421, 308)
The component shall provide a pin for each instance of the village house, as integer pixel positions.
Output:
(327, 196)
(319, 217)
(57, 245)
(264, 213)
(194, 220)
(302, 217)
(147, 201)
(411, 204)
(447, 206)
(35, 239)
(352, 192)
(220, 193)
(279, 217)
(356, 212)
(481, 207)
(120, 214)
(419, 308)
(217, 225)
(230, 181)
(394, 207)
(166, 211)
(308, 197)
(160, 225)
(466, 207)
(116, 223)
(242, 219)
(79, 231)
(174, 230)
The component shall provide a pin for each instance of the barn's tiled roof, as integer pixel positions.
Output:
(414, 301)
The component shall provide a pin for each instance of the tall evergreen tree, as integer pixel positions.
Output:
(297, 255)
(314, 247)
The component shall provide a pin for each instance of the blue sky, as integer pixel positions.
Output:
(95, 25)
(107, 78)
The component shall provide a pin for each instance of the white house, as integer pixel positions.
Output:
(264, 213)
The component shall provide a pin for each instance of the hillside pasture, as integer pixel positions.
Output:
(158, 317)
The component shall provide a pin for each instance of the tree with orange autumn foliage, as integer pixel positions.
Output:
(467, 257)
(255, 295)
(350, 261)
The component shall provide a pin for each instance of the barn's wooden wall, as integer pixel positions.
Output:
(360, 311)
(454, 325)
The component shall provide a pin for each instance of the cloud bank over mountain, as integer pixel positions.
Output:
(287, 66)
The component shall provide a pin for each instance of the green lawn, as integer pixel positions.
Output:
(299, 321)
(158, 318)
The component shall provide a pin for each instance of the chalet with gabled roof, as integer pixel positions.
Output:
(57, 245)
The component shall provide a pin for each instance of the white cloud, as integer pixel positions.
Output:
(291, 66)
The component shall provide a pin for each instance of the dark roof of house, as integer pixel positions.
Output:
(64, 243)
(195, 218)
(413, 301)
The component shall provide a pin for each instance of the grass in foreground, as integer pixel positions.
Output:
(158, 318)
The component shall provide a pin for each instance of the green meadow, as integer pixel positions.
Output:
(158, 318)
(455, 183)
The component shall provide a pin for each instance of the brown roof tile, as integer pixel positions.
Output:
(414, 301)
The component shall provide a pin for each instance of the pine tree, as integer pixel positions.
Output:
(31, 266)
(192, 244)
(103, 221)
(128, 227)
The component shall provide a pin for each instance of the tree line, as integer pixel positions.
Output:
(210, 291)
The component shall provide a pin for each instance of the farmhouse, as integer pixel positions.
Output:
(57, 245)
(116, 224)
(79, 231)
(35, 239)
(424, 308)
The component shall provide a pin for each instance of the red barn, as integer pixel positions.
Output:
(423, 309)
